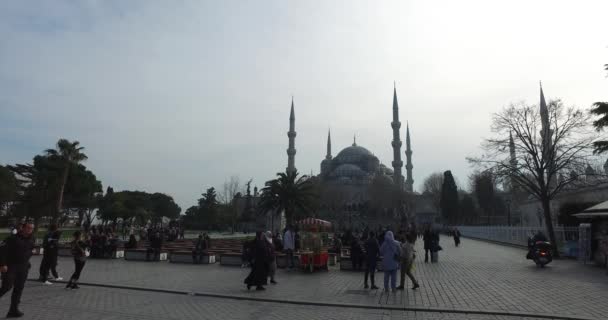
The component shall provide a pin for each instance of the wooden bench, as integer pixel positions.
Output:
(186, 257)
(140, 255)
(230, 259)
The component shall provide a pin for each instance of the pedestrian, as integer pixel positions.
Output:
(15, 254)
(272, 264)
(408, 255)
(427, 239)
(391, 254)
(50, 245)
(456, 237)
(372, 250)
(132, 244)
(435, 247)
(198, 250)
(80, 257)
(156, 243)
(356, 253)
(258, 276)
(289, 245)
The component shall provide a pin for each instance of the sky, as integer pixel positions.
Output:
(178, 96)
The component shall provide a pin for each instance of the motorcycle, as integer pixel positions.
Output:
(540, 252)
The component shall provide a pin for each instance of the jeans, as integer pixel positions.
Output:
(78, 265)
(392, 274)
(426, 254)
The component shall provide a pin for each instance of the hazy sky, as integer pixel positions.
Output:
(176, 96)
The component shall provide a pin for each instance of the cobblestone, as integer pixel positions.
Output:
(475, 276)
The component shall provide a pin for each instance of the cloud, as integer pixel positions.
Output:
(176, 97)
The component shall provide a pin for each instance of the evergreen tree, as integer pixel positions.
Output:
(449, 199)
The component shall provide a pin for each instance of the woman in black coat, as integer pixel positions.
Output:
(258, 276)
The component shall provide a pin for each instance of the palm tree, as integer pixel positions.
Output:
(69, 154)
(290, 193)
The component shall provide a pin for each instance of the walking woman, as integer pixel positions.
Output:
(391, 255)
(78, 251)
(272, 265)
(258, 276)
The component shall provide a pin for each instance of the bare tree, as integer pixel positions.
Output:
(230, 188)
(547, 141)
(432, 185)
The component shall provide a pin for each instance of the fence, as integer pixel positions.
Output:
(566, 237)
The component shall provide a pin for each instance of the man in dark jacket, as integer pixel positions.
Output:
(15, 254)
(50, 246)
(372, 249)
(427, 237)
(156, 243)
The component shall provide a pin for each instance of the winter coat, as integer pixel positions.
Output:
(391, 252)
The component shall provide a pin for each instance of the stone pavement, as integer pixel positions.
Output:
(477, 276)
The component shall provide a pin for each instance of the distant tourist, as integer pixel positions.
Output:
(50, 246)
(15, 254)
(427, 239)
(289, 245)
(391, 255)
(456, 235)
(80, 257)
(199, 249)
(356, 253)
(408, 254)
(156, 243)
(372, 251)
(272, 259)
(258, 277)
(132, 244)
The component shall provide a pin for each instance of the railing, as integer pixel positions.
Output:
(566, 237)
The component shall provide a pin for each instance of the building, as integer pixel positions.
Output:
(346, 180)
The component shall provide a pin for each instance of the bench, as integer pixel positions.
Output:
(230, 259)
(186, 257)
(140, 255)
(38, 250)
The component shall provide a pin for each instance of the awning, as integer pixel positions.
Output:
(313, 221)
(597, 211)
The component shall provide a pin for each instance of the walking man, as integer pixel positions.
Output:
(50, 245)
(372, 249)
(427, 238)
(289, 245)
(407, 261)
(15, 254)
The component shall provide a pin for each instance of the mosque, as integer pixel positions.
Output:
(355, 168)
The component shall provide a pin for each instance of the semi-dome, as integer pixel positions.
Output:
(348, 171)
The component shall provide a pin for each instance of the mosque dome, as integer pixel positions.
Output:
(353, 154)
(348, 171)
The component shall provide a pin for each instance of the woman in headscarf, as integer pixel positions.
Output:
(258, 276)
(272, 265)
(391, 255)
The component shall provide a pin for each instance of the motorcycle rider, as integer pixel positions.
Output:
(539, 236)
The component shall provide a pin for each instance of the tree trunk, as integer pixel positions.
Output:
(549, 225)
(64, 180)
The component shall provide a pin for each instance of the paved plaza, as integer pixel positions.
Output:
(476, 277)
